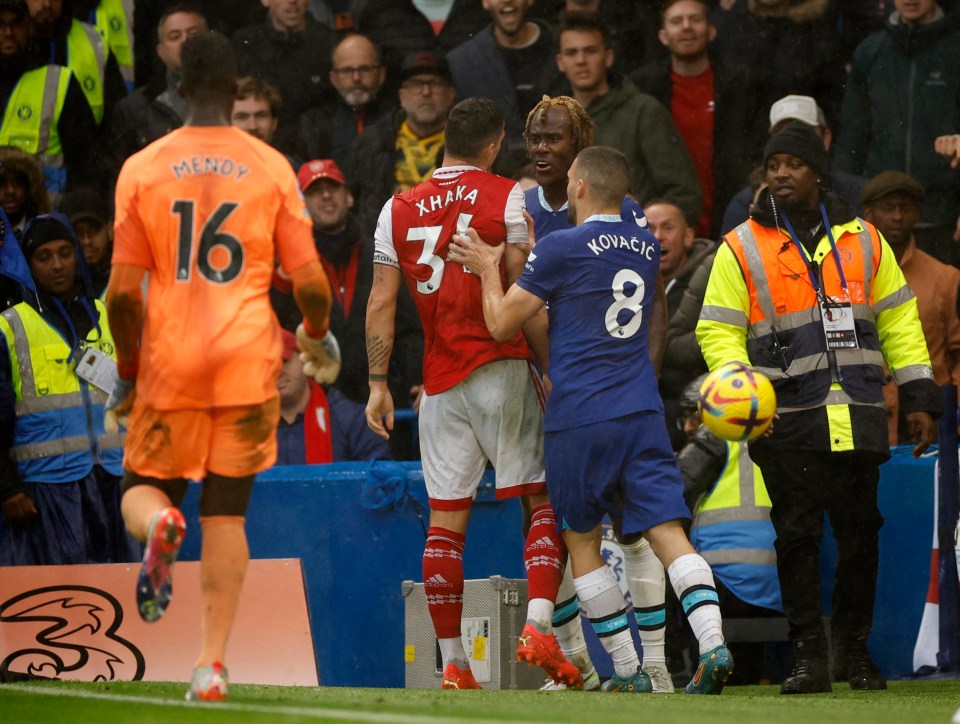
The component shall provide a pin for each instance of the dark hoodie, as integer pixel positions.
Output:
(675, 377)
(73, 318)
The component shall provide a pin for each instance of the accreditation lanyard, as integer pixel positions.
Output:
(90, 364)
(75, 341)
(833, 248)
(836, 314)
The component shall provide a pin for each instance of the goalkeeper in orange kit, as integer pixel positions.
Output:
(206, 210)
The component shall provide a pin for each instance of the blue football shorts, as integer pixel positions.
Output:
(624, 468)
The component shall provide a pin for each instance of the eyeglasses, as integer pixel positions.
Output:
(362, 70)
(419, 86)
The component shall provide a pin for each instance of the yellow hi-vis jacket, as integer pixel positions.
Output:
(732, 531)
(760, 307)
(31, 120)
(87, 58)
(114, 27)
(58, 432)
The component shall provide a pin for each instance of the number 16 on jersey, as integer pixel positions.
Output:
(212, 236)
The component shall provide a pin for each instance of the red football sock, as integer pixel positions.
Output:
(544, 555)
(443, 580)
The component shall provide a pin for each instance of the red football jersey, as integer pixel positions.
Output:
(413, 233)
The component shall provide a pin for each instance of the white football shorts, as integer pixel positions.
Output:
(495, 414)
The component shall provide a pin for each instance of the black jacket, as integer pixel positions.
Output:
(138, 120)
(800, 53)
(674, 377)
(328, 132)
(737, 123)
(400, 29)
(298, 64)
(903, 92)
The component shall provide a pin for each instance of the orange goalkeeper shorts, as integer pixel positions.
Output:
(230, 441)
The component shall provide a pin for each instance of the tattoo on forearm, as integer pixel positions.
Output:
(378, 350)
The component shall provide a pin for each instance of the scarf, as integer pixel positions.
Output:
(317, 437)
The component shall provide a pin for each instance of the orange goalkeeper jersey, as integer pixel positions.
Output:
(206, 210)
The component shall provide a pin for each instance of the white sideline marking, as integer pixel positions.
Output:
(318, 712)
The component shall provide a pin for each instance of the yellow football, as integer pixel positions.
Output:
(737, 402)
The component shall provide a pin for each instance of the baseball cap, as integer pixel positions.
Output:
(425, 63)
(313, 171)
(889, 182)
(289, 344)
(797, 108)
(84, 204)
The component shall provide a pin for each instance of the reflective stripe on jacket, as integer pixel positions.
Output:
(732, 531)
(32, 126)
(58, 431)
(785, 336)
(111, 21)
(760, 307)
(87, 58)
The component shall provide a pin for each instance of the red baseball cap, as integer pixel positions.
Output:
(290, 347)
(313, 171)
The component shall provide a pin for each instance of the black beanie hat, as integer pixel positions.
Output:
(799, 139)
(42, 231)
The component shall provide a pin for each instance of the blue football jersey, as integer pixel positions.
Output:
(599, 280)
(546, 220)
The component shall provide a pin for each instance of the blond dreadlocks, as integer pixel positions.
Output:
(579, 120)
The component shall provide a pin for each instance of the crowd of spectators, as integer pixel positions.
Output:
(684, 89)
(355, 94)
(334, 70)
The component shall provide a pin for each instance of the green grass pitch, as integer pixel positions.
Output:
(923, 702)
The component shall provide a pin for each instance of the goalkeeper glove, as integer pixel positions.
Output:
(321, 357)
(117, 410)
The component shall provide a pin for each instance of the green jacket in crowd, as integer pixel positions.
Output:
(642, 129)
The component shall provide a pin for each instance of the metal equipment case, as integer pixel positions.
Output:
(494, 613)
